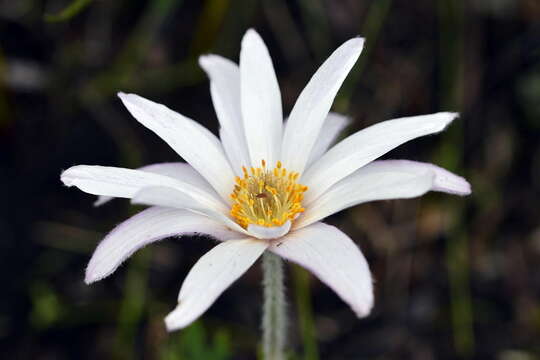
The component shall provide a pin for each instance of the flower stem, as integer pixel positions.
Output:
(274, 322)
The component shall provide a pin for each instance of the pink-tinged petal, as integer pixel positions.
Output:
(166, 197)
(335, 259)
(125, 183)
(331, 129)
(313, 104)
(365, 146)
(177, 170)
(225, 90)
(260, 101)
(376, 181)
(211, 275)
(148, 226)
(189, 139)
(444, 181)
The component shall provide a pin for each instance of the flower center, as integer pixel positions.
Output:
(267, 197)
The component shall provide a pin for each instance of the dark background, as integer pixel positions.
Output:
(456, 278)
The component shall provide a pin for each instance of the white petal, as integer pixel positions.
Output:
(125, 183)
(260, 101)
(331, 128)
(237, 156)
(211, 275)
(335, 259)
(190, 140)
(313, 104)
(444, 181)
(167, 197)
(367, 145)
(376, 181)
(176, 170)
(225, 89)
(274, 232)
(150, 225)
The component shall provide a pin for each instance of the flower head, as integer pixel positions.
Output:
(265, 184)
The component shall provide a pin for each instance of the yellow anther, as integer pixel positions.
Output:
(266, 197)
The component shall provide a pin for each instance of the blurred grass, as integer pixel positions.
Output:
(4, 108)
(193, 344)
(73, 9)
(370, 29)
(450, 156)
(304, 308)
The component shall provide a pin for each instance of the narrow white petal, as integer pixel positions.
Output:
(331, 129)
(225, 90)
(376, 181)
(190, 140)
(211, 275)
(445, 181)
(238, 157)
(335, 259)
(148, 226)
(260, 101)
(176, 170)
(313, 104)
(367, 145)
(125, 183)
(274, 232)
(167, 197)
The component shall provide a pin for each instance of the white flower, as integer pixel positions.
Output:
(266, 185)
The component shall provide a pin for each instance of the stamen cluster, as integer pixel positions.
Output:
(267, 197)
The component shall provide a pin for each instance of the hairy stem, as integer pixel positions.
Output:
(274, 322)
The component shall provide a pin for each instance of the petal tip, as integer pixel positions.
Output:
(204, 61)
(173, 321)
(466, 188)
(251, 36)
(358, 41)
(67, 177)
(451, 116)
(90, 278)
(363, 311)
(100, 201)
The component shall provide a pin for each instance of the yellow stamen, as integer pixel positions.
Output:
(267, 197)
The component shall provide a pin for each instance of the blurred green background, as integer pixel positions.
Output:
(456, 278)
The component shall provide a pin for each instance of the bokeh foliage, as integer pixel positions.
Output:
(455, 277)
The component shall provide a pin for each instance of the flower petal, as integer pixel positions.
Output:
(176, 170)
(148, 226)
(211, 275)
(225, 90)
(313, 104)
(274, 232)
(260, 101)
(235, 153)
(125, 183)
(367, 145)
(376, 181)
(190, 140)
(331, 128)
(167, 197)
(444, 181)
(335, 259)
